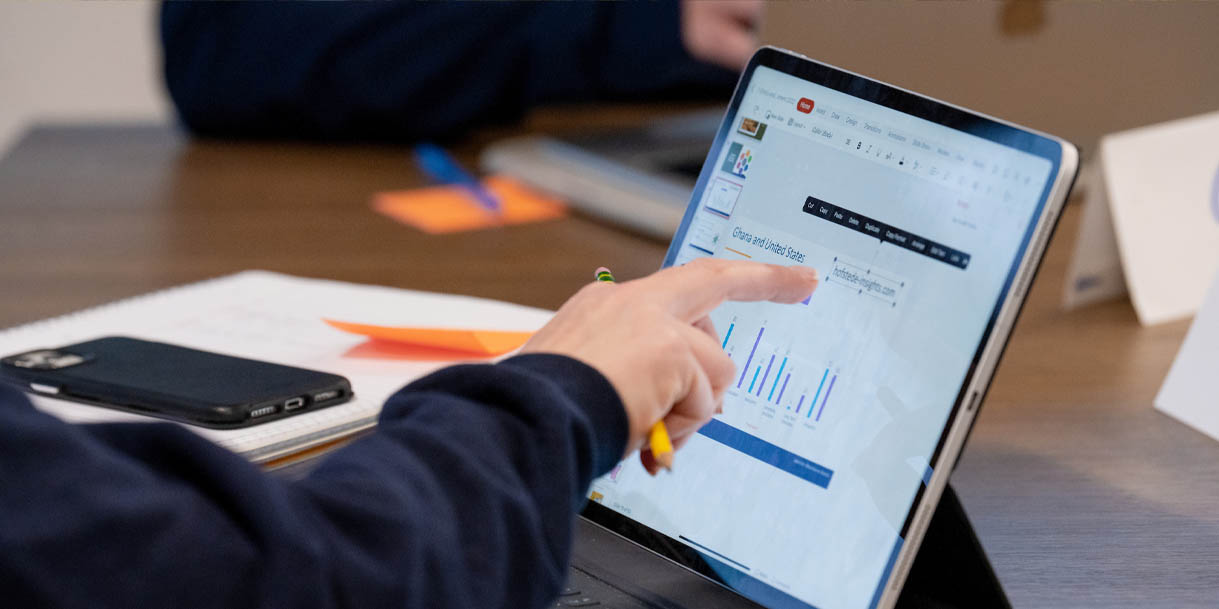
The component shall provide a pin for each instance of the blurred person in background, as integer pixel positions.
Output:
(407, 71)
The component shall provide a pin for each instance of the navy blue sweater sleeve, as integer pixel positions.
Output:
(405, 70)
(463, 497)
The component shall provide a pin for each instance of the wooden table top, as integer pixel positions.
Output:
(1083, 495)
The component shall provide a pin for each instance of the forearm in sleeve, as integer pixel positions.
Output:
(464, 496)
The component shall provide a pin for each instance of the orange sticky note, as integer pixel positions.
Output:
(448, 209)
(477, 342)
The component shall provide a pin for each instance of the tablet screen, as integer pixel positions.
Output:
(798, 494)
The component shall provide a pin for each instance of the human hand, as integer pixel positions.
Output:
(722, 32)
(653, 340)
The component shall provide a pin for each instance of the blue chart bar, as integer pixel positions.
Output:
(755, 378)
(767, 453)
(813, 404)
(750, 360)
(800, 403)
(827, 398)
(726, 335)
(765, 376)
(784, 388)
(778, 374)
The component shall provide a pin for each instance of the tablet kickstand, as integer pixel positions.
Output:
(951, 570)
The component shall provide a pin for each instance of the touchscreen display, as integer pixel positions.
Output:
(797, 494)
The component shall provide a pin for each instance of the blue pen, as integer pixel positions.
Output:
(443, 168)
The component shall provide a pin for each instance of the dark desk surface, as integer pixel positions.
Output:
(1083, 495)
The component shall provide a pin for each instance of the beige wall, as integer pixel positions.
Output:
(71, 61)
(1076, 69)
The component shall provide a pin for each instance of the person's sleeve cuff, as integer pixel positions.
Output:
(593, 397)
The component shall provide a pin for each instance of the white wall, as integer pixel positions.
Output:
(78, 61)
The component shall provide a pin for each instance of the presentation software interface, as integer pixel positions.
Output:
(801, 487)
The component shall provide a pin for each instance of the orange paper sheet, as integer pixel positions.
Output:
(448, 209)
(475, 342)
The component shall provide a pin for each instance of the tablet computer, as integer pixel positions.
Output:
(848, 411)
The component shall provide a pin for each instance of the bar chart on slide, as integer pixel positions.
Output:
(771, 374)
(778, 398)
(806, 374)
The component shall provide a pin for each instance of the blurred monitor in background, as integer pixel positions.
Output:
(1075, 69)
(405, 71)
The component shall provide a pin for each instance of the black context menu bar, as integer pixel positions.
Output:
(887, 234)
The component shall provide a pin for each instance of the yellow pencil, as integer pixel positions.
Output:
(661, 445)
(658, 438)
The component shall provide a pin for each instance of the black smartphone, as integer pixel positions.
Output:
(172, 382)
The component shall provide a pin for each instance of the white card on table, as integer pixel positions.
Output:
(1189, 392)
(1161, 182)
(1095, 271)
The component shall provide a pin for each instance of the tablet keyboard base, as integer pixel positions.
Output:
(951, 571)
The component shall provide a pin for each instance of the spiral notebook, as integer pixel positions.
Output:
(278, 318)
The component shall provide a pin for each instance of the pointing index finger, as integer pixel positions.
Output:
(696, 288)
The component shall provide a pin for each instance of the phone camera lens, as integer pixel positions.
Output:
(46, 360)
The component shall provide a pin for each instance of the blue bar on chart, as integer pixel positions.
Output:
(767, 453)
(813, 404)
(800, 403)
(771, 396)
(827, 398)
(764, 376)
(748, 361)
(726, 335)
(755, 378)
(784, 388)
